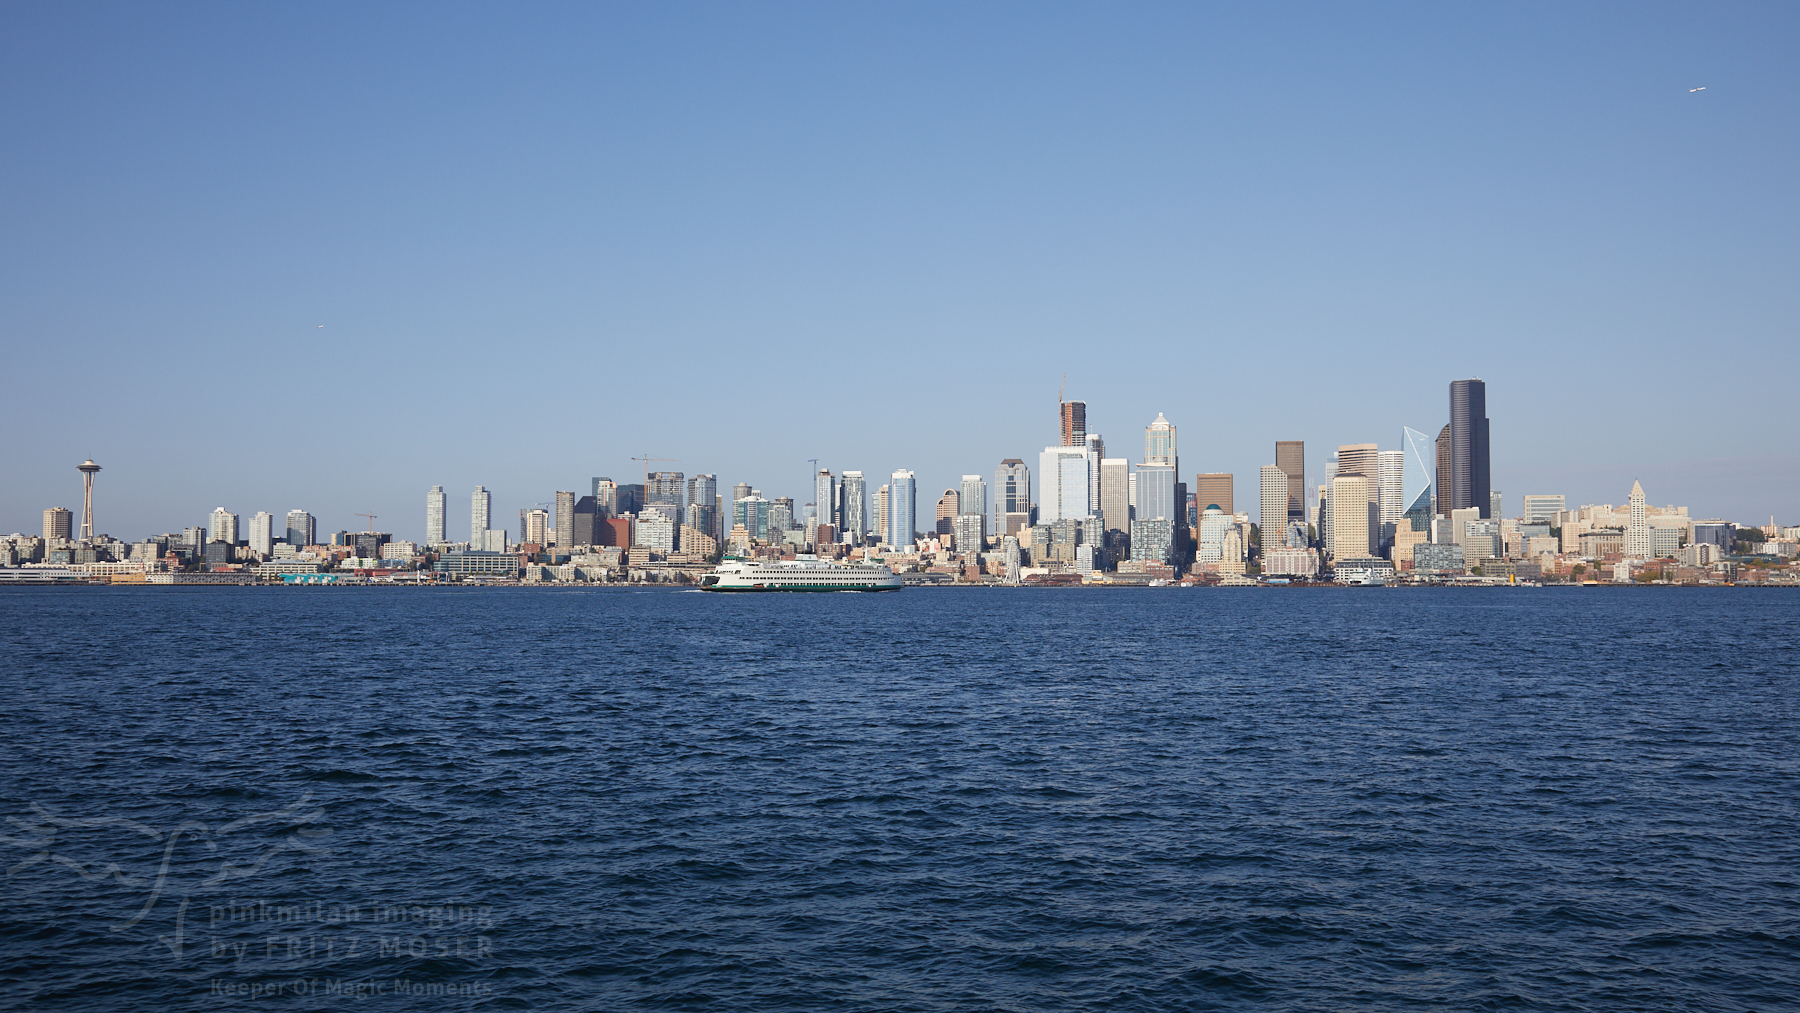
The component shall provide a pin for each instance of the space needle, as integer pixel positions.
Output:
(87, 470)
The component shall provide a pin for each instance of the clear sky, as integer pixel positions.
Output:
(325, 256)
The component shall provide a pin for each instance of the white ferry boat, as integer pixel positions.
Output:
(804, 574)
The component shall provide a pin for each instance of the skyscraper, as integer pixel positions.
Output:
(882, 515)
(1156, 495)
(853, 490)
(606, 497)
(223, 526)
(702, 508)
(1065, 477)
(436, 503)
(480, 512)
(1350, 517)
(826, 493)
(1416, 479)
(565, 520)
(1469, 479)
(1440, 482)
(1544, 508)
(1360, 460)
(262, 532)
(587, 522)
(1274, 483)
(1115, 493)
(973, 500)
(973, 495)
(534, 526)
(58, 523)
(1214, 488)
(1012, 496)
(666, 488)
(1096, 451)
(1074, 423)
(300, 528)
(1290, 457)
(948, 506)
(1390, 478)
(1159, 443)
(903, 508)
(1637, 525)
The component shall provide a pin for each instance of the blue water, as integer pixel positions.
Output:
(325, 798)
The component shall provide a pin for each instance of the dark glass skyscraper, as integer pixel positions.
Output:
(1290, 457)
(1469, 480)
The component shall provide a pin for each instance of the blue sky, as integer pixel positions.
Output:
(542, 240)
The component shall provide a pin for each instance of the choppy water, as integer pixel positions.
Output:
(932, 800)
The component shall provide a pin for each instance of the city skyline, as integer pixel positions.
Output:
(1017, 193)
(1075, 465)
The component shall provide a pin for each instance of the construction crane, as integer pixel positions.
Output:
(647, 459)
(371, 518)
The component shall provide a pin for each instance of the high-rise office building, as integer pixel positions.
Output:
(606, 497)
(1074, 423)
(300, 528)
(827, 493)
(970, 532)
(752, 512)
(903, 508)
(972, 515)
(436, 505)
(1469, 479)
(1156, 494)
(222, 526)
(534, 526)
(1440, 484)
(1012, 497)
(853, 490)
(1290, 457)
(1274, 505)
(1214, 488)
(668, 489)
(1350, 517)
(1416, 478)
(1064, 472)
(59, 523)
(1361, 460)
(481, 507)
(587, 520)
(1152, 540)
(948, 506)
(702, 508)
(882, 515)
(1390, 479)
(631, 498)
(1115, 493)
(1544, 508)
(1637, 524)
(973, 495)
(565, 520)
(1096, 452)
(1159, 443)
(262, 532)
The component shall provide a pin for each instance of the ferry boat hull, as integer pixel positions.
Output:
(802, 576)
